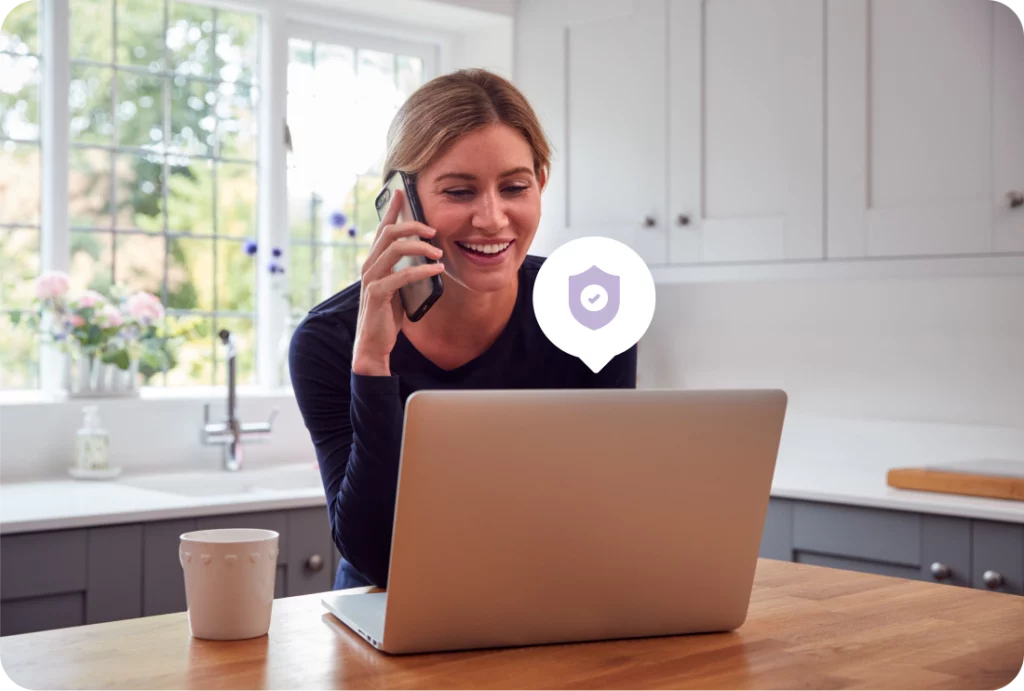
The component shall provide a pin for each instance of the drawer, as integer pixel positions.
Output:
(856, 532)
(47, 563)
(861, 565)
(42, 613)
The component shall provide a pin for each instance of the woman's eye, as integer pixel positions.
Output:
(457, 194)
(518, 189)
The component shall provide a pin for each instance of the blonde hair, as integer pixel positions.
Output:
(452, 105)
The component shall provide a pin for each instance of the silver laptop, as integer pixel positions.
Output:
(532, 517)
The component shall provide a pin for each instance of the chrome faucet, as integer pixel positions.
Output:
(231, 432)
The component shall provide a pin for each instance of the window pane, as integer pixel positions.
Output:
(19, 97)
(19, 349)
(90, 101)
(190, 274)
(236, 278)
(236, 199)
(19, 265)
(89, 188)
(335, 71)
(19, 183)
(140, 262)
(236, 111)
(344, 269)
(238, 46)
(193, 127)
(90, 260)
(140, 201)
(140, 33)
(244, 332)
(377, 77)
(91, 27)
(190, 196)
(410, 75)
(303, 280)
(193, 359)
(301, 208)
(20, 30)
(190, 39)
(140, 110)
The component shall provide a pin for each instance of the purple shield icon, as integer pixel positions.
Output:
(594, 298)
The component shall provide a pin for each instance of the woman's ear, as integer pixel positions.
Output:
(542, 179)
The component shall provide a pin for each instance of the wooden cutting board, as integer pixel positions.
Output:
(992, 478)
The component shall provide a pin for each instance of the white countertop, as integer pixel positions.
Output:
(820, 459)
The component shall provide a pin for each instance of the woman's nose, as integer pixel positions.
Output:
(489, 213)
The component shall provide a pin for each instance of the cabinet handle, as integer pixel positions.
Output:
(650, 222)
(1016, 198)
(315, 563)
(683, 219)
(992, 579)
(940, 571)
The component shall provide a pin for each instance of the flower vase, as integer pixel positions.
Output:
(87, 376)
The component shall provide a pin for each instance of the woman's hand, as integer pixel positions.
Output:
(380, 307)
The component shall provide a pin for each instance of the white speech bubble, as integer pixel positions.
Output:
(597, 344)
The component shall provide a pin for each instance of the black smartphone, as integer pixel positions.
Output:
(419, 296)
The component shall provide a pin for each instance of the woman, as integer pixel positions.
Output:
(481, 162)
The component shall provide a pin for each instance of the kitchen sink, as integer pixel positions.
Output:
(220, 483)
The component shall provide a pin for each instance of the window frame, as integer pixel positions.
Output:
(278, 23)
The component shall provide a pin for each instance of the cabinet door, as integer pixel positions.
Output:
(998, 549)
(777, 537)
(163, 581)
(615, 140)
(746, 123)
(310, 552)
(114, 573)
(925, 133)
(43, 579)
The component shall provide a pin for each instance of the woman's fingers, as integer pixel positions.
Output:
(382, 290)
(403, 247)
(392, 233)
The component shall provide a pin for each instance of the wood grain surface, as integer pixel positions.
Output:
(808, 627)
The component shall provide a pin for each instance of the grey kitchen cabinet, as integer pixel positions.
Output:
(310, 552)
(998, 557)
(944, 549)
(163, 585)
(43, 580)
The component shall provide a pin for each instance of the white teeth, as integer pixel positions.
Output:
(487, 249)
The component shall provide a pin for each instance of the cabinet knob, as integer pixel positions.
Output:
(940, 571)
(683, 219)
(315, 563)
(650, 222)
(992, 579)
(1016, 198)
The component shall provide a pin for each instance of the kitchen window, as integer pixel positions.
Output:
(20, 185)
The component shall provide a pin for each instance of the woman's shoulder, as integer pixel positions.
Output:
(530, 267)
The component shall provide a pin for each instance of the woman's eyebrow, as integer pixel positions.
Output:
(467, 176)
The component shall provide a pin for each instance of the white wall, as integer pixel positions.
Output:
(488, 47)
(948, 350)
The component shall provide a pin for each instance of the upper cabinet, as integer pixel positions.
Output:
(732, 131)
(925, 128)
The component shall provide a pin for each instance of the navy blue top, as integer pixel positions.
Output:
(356, 421)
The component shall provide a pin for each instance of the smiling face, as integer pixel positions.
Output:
(483, 199)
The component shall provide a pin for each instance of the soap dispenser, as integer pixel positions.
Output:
(93, 442)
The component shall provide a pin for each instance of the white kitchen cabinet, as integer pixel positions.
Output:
(691, 130)
(925, 128)
(746, 130)
(705, 132)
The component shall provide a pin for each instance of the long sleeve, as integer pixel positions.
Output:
(355, 423)
(619, 373)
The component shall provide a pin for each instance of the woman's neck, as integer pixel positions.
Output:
(463, 321)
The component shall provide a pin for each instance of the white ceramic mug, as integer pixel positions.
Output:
(229, 581)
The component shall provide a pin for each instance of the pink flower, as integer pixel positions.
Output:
(52, 285)
(76, 321)
(110, 316)
(145, 307)
(90, 298)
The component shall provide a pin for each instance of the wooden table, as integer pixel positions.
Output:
(808, 627)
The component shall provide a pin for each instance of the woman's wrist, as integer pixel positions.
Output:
(371, 367)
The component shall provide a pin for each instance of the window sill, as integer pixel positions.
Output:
(146, 394)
